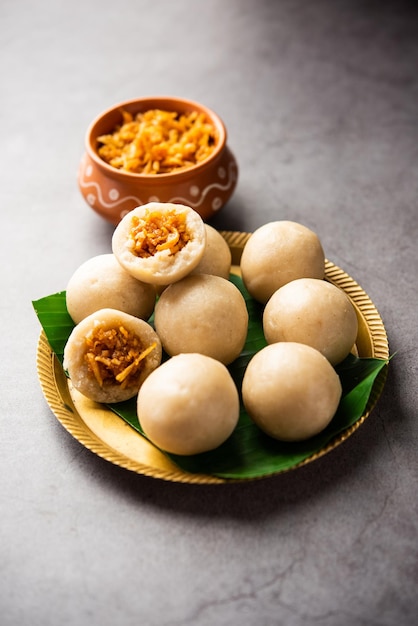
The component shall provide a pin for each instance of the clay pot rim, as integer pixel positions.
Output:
(168, 103)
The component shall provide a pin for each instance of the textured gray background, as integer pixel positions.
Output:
(321, 104)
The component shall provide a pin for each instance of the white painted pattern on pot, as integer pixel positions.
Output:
(195, 200)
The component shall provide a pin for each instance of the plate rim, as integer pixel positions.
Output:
(57, 395)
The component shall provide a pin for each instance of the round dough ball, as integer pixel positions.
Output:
(204, 314)
(109, 354)
(217, 257)
(102, 283)
(277, 253)
(291, 391)
(160, 242)
(313, 312)
(189, 405)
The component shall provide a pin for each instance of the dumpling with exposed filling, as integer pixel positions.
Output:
(109, 354)
(160, 242)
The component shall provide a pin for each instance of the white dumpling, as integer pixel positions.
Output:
(102, 283)
(314, 312)
(277, 253)
(205, 314)
(217, 257)
(291, 391)
(189, 405)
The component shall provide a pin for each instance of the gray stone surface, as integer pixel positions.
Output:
(321, 104)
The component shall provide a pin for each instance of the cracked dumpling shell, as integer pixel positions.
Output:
(217, 257)
(314, 312)
(205, 314)
(277, 253)
(100, 338)
(160, 242)
(102, 283)
(291, 391)
(189, 405)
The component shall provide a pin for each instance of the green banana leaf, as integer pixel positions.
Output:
(248, 453)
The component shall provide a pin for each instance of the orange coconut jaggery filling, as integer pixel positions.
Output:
(157, 231)
(115, 355)
(158, 142)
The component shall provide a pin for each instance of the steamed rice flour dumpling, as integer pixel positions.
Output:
(314, 312)
(109, 354)
(217, 257)
(204, 314)
(291, 391)
(189, 405)
(160, 243)
(102, 283)
(277, 253)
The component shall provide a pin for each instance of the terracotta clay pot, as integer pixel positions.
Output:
(112, 193)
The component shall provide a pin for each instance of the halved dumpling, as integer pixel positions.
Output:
(109, 354)
(159, 242)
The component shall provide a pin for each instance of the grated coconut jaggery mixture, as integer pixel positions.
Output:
(156, 232)
(115, 355)
(158, 142)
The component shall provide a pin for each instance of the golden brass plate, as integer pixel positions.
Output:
(107, 435)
